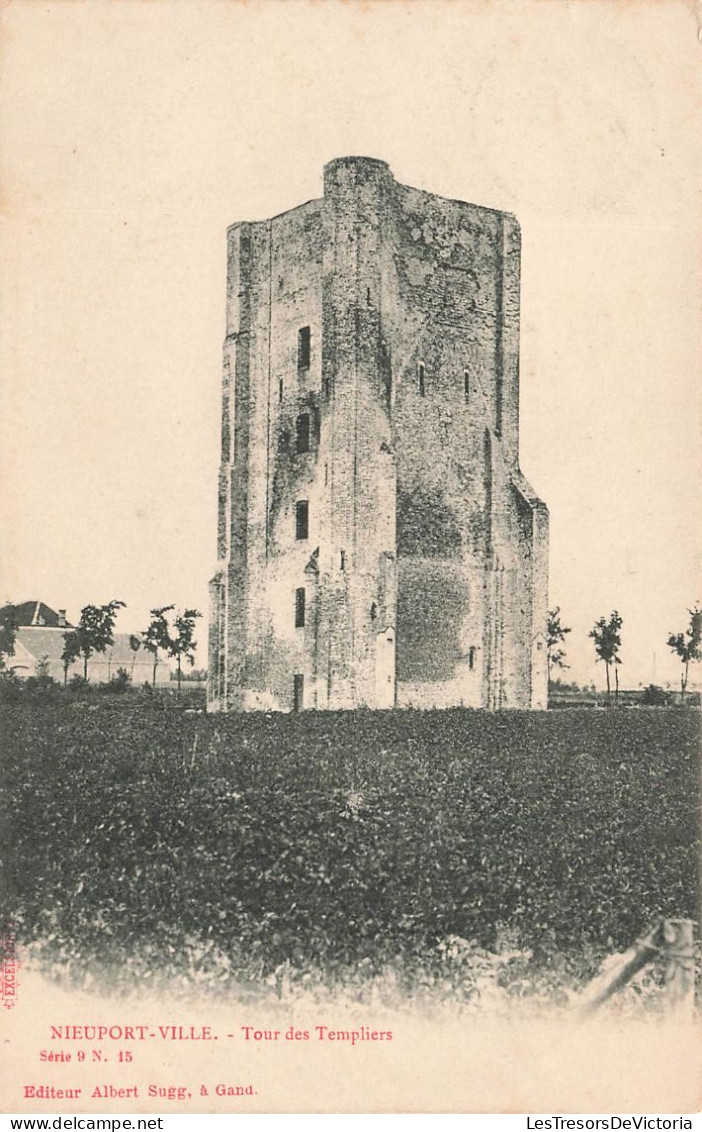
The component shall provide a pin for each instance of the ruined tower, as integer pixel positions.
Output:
(378, 545)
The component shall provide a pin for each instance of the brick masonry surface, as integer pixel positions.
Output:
(378, 545)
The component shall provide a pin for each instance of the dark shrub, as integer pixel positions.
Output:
(10, 687)
(78, 685)
(656, 697)
(119, 683)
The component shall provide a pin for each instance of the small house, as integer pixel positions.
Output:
(40, 642)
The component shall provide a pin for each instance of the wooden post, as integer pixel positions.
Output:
(618, 970)
(678, 941)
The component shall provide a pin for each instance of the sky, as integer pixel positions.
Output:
(134, 133)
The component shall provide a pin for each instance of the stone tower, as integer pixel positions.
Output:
(378, 545)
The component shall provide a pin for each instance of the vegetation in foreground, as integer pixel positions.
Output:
(439, 853)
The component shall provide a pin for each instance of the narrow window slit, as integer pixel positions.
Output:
(302, 519)
(298, 691)
(302, 433)
(300, 608)
(303, 348)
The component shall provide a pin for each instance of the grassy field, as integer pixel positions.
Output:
(444, 847)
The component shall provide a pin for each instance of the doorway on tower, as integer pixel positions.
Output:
(385, 669)
(298, 691)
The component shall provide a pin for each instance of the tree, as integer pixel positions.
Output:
(688, 646)
(94, 632)
(176, 640)
(8, 632)
(156, 638)
(183, 644)
(71, 651)
(608, 642)
(555, 636)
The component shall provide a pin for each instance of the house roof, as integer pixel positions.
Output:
(33, 613)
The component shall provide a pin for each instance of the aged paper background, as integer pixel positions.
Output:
(132, 134)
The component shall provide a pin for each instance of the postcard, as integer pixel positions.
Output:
(350, 634)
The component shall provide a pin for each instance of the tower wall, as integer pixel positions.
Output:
(423, 562)
(360, 607)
